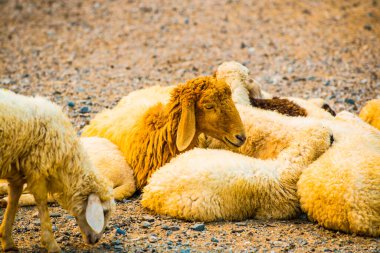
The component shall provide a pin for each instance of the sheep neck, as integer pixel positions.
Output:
(152, 141)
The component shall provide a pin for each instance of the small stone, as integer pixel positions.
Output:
(349, 101)
(148, 218)
(328, 83)
(185, 251)
(70, 217)
(213, 239)
(7, 81)
(84, 109)
(241, 224)
(368, 27)
(70, 104)
(37, 223)
(118, 247)
(198, 227)
(55, 215)
(311, 78)
(146, 224)
(55, 228)
(169, 232)
(120, 231)
(116, 242)
(152, 239)
(174, 228)
(251, 50)
(186, 21)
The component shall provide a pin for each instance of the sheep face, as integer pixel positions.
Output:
(218, 117)
(93, 219)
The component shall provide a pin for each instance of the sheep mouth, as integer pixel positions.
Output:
(226, 140)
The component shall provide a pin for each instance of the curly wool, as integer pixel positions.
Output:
(209, 185)
(39, 143)
(370, 113)
(280, 105)
(341, 189)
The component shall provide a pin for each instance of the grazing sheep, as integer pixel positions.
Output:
(38, 146)
(370, 113)
(201, 105)
(108, 161)
(341, 189)
(210, 185)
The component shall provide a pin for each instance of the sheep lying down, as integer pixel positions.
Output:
(337, 186)
(210, 185)
(39, 147)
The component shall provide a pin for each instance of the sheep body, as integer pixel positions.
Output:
(370, 113)
(209, 185)
(157, 134)
(38, 146)
(341, 189)
(110, 163)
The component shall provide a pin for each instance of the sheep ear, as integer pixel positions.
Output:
(94, 213)
(186, 127)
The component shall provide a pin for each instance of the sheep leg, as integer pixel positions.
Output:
(47, 237)
(15, 190)
(123, 191)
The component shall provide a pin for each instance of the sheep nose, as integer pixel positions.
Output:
(241, 137)
(331, 139)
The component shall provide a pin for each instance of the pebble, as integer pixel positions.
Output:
(85, 109)
(148, 218)
(349, 101)
(213, 239)
(7, 81)
(55, 215)
(241, 224)
(146, 224)
(153, 239)
(198, 227)
(120, 231)
(185, 251)
(70, 104)
(118, 247)
(116, 242)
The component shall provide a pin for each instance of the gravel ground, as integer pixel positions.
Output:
(85, 55)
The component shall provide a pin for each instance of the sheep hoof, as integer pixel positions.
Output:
(3, 203)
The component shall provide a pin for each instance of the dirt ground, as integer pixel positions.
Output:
(91, 53)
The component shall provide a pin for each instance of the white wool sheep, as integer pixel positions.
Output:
(108, 161)
(38, 146)
(341, 189)
(209, 185)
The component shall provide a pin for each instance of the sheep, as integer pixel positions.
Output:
(210, 185)
(370, 113)
(109, 162)
(341, 189)
(38, 146)
(201, 105)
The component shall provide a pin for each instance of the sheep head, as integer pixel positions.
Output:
(207, 107)
(94, 217)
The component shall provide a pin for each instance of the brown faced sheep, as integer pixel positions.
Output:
(202, 105)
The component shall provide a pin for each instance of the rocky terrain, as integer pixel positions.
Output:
(86, 55)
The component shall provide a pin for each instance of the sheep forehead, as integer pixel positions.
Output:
(231, 68)
(218, 92)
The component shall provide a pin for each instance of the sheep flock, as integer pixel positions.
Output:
(212, 148)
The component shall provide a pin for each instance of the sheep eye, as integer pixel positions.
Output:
(209, 106)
